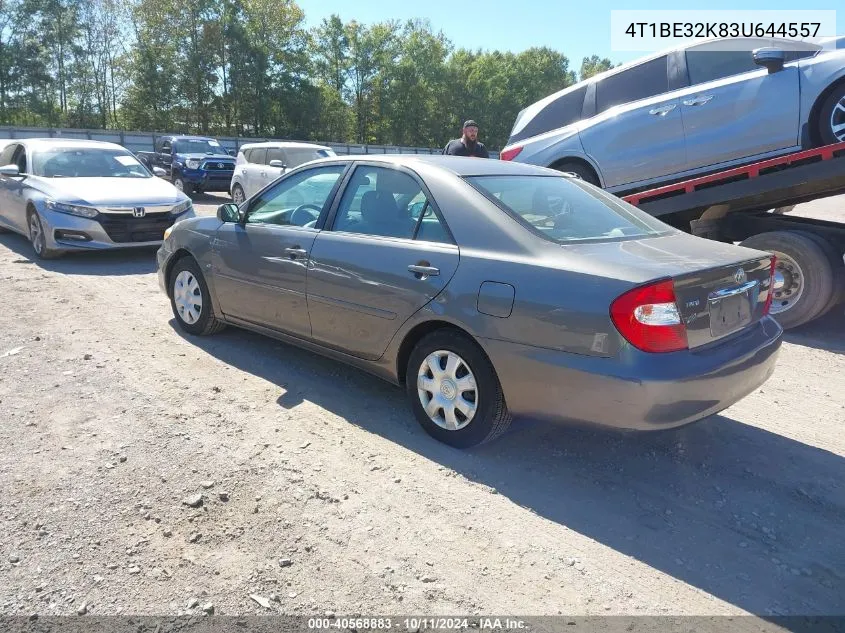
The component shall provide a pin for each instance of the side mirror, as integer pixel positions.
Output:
(158, 171)
(278, 163)
(228, 212)
(771, 58)
(10, 170)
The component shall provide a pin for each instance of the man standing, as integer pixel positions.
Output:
(468, 144)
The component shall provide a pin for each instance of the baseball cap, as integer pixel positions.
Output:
(470, 123)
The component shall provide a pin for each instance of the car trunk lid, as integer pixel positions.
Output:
(717, 302)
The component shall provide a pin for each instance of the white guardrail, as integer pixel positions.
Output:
(145, 141)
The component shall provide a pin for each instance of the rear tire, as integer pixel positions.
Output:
(190, 299)
(806, 271)
(830, 116)
(467, 377)
(580, 169)
(838, 268)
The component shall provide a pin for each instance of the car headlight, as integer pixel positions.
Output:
(168, 231)
(192, 163)
(181, 208)
(72, 209)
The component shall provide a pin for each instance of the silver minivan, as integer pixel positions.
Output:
(694, 109)
(259, 164)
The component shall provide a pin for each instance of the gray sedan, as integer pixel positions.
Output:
(486, 289)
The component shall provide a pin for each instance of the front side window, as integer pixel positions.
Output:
(563, 209)
(86, 162)
(297, 200)
(388, 203)
(275, 153)
(645, 80)
(710, 65)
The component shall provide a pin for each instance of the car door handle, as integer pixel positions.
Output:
(697, 101)
(424, 271)
(295, 252)
(662, 110)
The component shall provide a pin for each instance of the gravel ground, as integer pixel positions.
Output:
(145, 472)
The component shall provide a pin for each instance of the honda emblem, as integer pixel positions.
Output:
(139, 212)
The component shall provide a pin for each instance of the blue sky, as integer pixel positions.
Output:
(576, 29)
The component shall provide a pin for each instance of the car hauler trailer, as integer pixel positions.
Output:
(749, 205)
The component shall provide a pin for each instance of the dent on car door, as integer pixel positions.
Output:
(637, 133)
(386, 255)
(734, 109)
(260, 265)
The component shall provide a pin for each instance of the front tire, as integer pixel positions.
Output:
(238, 195)
(582, 171)
(182, 186)
(190, 299)
(454, 391)
(38, 238)
(831, 123)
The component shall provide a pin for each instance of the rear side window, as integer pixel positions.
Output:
(564, 110)
(712, 65)
(564, 209)
(640, 82)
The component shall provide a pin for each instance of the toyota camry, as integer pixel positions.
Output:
(486, 289)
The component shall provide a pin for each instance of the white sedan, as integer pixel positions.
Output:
(84, 195)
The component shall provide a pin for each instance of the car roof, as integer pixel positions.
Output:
(283, 144)
(44, 143)
(458, 165)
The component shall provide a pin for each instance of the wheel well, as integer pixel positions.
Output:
(815, 111)
(178, 255)
(578, 161)
(415, 336)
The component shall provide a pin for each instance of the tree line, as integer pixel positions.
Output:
(252, 68)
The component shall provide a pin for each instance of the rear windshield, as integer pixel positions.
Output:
(564, 209)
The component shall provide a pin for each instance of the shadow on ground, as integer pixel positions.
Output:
(135, 261)
(749, 516)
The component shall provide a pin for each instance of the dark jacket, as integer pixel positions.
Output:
(457, 148)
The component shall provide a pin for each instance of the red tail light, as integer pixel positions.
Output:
(510, 154)
(648, 318)
(771, 296)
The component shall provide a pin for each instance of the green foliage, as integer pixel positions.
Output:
(250, 68)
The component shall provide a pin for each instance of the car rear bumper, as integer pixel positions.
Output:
(69, 232)
(636, 391)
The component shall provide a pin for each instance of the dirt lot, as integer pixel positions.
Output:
(319, 493)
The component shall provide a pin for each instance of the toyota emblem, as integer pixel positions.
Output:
(740, 276)
(139, 212)
(220, 165)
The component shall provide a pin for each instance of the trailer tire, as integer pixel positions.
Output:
(837, 266)
(805, 267)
